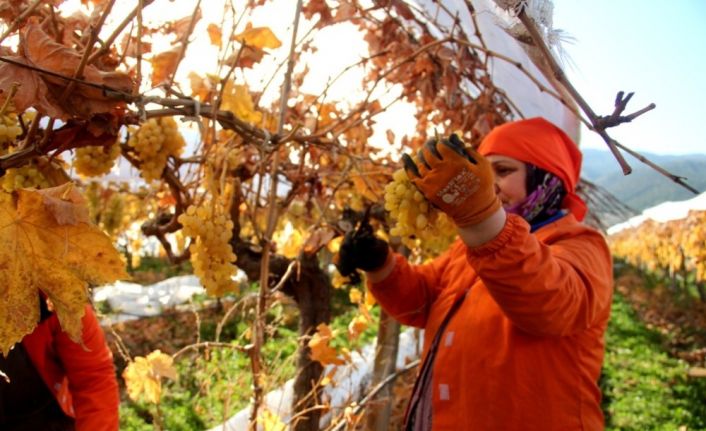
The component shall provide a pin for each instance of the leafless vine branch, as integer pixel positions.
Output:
(363, 402)
(598, 124)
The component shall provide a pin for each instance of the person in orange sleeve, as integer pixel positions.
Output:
(516, 309)
(56, 384)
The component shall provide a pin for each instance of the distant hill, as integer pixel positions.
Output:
(644, 187)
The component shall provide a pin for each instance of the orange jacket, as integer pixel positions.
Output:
(83, 381)
(524, 350)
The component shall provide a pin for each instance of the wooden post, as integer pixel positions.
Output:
(380, 407)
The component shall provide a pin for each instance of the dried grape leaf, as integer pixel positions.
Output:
(258, 37)
(321, 351)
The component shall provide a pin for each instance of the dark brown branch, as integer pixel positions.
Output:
(599, 124)
(615, 119)
(676, 178)
(128, 19)
(558, 72)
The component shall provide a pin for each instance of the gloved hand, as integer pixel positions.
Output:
(361, 249)
(457, 180)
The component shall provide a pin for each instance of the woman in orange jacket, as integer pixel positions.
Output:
(56, 384)
(516, 310)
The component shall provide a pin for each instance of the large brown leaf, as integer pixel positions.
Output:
(46, 92)
(31, 89)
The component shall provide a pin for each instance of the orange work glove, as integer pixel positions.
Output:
(457, 180)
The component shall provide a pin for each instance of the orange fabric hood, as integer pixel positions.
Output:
(541, 143)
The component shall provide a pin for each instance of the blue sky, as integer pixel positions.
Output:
(656, 48)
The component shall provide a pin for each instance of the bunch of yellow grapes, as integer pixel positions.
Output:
(211, 254)
(27, 176)
(94, 161)
(154, 142)
(417, 222)
(9, 128)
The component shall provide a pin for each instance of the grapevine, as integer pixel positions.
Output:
(154, 142)
(9, 128)
(27, 176)
(94, 161)
(211, 254)
(672, 247)
(417, 222)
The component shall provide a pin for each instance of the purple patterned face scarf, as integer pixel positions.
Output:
(545, 194)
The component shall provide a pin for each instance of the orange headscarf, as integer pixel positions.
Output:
(541, 143)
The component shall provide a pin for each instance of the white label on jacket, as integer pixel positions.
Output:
(444, 392)
(449, 338)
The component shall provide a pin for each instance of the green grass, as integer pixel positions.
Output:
(643, 387)
(213, 387)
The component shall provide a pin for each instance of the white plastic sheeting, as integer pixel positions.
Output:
(666, 211)
(132, 301)
(349, 384)
(525, 94)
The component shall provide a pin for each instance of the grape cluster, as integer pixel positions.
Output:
(154, 142)
(211, 254)
(9, 128)
(94, 161)
(27, 176)
(417, 222)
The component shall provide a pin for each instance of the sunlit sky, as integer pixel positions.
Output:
(657, 49)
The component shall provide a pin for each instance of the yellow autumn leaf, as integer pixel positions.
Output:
(320, 349)
(289, 243)
(328, 378)
(164, 65)
(139, 382)
(214, 33)
(162, 365)
(39, 252)
(258, 37)
(143, 376)
(338, 281)
(236, 99)
(335, 244)
(270, 421)
(355, 295)
(357, 325)
(369, 300)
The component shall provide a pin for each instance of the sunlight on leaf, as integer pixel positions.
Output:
(259, 37)
(214, 34)
(163, 65)
(320, 349)
(357, 325)
(289, 242)
(338, 281)
(270, 421)
(355, 295)
(143, 376)
(237, 99)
